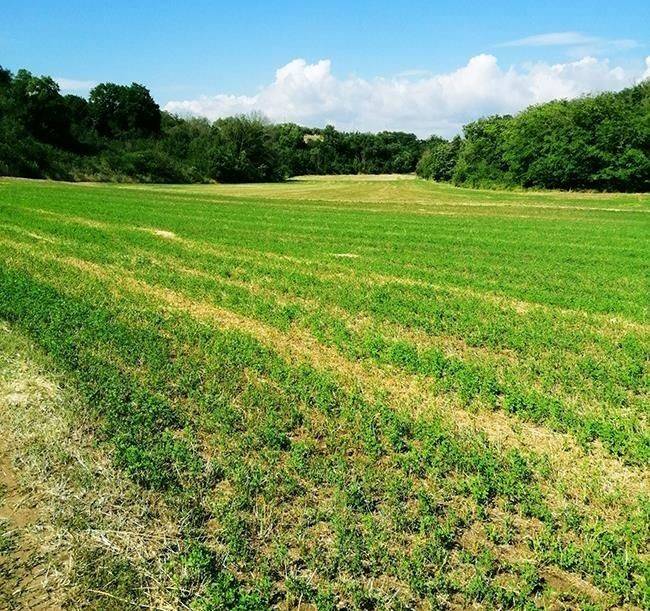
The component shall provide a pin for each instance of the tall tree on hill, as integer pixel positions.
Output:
(38, 106)
(121, 111)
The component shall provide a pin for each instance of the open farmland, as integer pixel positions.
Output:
(341, 392)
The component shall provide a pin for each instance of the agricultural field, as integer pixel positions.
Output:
(328, 393)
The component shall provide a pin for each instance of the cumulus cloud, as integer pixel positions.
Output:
(423, 103)
(646, 74)
(68, 84)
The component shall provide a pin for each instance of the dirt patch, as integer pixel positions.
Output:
(163, 233)
(24, 568)
(564, 582)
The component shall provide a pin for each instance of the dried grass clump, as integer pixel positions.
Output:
(70, 519)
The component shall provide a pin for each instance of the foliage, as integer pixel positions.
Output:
(118, 111)
(241, 151)
(596, 142)
(120, 134)
(439, 159)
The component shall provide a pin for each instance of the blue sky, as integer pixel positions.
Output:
(218, 57)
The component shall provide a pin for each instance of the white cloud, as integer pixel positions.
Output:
(310, 94)
(68, 84)
(577, 44)
(551, 39)
(646, 74)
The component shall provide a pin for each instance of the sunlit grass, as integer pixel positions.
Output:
(371, 392)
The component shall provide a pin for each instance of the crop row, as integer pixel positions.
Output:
(260, 452)
(528, 388)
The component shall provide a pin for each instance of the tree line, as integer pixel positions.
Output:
(599, 142)
(119, 133)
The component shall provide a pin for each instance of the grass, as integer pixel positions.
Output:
(76, 532)
(360, 393)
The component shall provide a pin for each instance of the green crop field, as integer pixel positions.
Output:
(342, 392)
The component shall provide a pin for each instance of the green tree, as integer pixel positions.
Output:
(121, 111)
(325, 153)
(595, 142)
(439, 160)
(480, 160)
(241, 150)
(5, 78)
(37, 104)
(292, 149)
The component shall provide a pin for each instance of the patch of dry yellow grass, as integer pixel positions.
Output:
(74, 507)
